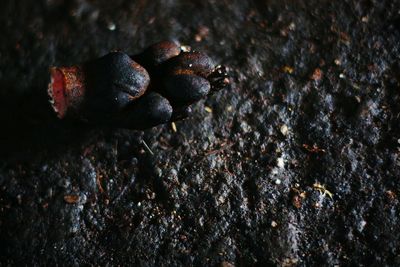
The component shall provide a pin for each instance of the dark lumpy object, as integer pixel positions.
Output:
(116, 86)
(184, 89)
(197, 62)
(150, 110)
(113, 81)
(158, 53)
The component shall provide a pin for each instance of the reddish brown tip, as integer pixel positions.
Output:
(66, 89)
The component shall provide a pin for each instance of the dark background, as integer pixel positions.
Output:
(314, 104)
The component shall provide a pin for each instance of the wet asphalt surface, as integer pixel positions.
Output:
(297, 164)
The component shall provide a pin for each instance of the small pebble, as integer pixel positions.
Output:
(111, 26)
(284, 129)
(280, 163)
(208, 109)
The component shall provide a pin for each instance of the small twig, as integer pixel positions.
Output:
(123, 191)
(98, 182)
(223, 147)
(322, 189)
(147, 148)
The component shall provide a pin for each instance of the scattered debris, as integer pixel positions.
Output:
(201, 34)
(147, 147)
(173, 126)
(99, 176)
(296, 201)
(71, 199)
(321, 188)
(288, 69)
(289, 262)
(391, 195)
(317, 74)
(313, 149)
(297, 197)
(280, 163)
(227, 264)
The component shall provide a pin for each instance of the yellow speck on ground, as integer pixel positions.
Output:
(288, 69)
(173, 126)
(208, 109)
(284, 129)
(321, 188)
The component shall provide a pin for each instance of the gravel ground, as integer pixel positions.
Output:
(297, 164)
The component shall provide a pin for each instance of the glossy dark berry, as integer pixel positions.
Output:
(184, 89)
(158, 53)
(197, 62)
(113, 81)
(150, 110)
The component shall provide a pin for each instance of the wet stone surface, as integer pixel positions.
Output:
(297, 164)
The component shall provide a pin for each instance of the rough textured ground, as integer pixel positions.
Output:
(297, 164)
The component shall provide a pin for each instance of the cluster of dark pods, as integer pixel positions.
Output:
(136, 92)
